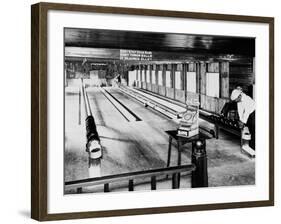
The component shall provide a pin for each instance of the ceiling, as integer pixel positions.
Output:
(153, 41)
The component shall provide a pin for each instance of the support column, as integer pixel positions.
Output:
(164, 68)
(202, 84)
(203, 78)
(224, 79)
(145, 76)
(173, 78)
(140, 73)
(156, 75)
(150, 74)
(184, 71)
(197, 70)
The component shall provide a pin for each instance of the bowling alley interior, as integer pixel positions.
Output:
(146, 111)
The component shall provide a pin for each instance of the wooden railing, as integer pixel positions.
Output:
(175, 172)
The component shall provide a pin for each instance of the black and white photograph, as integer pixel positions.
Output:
(150, 111)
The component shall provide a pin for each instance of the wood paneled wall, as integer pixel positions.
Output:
(231, 74)
(242, 74)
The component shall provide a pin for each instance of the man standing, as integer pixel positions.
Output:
(246, 111)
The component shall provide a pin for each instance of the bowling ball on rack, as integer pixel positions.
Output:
(235, 124)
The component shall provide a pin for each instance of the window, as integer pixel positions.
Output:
(168, 79)
(137, 75)
(142, 76)
(160, 78)
(178, 80)
(191, 82)
(213, 84)
(153, 77)
(147, 76)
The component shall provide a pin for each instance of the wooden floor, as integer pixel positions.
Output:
(142, 145)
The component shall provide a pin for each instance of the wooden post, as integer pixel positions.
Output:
(173, 78)
(203, 78)
(164, 67)
(169, 151)
(150, 74)
(182, 76)
(79, 109)
(131, 185)
(199, 177)
(175, 181)
(106, 187)
(197, 70)
(202, 84)
(137, 77)
(140, 69)
(157, 79)
(224, 79)
(156, 75)
(153, 183)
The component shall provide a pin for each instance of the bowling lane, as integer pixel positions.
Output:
(144, 113)
(104, 112)
(129, 146)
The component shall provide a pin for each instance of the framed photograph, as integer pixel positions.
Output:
(139, 111)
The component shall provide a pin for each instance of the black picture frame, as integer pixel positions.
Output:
(39, 108)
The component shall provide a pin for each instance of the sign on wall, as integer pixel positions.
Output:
(135, 55)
